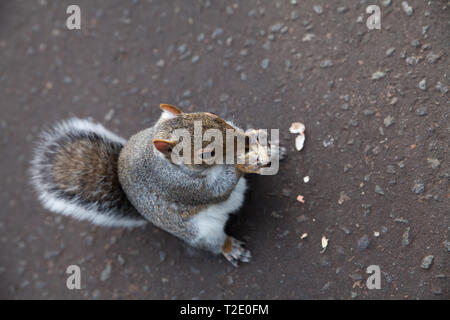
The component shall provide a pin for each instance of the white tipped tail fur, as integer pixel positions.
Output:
(52, 198)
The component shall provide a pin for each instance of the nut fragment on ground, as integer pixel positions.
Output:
(297, 127)
(324, 244)
(300, 198)
(343, 197)
(299, 142)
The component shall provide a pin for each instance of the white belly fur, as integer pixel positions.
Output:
(210, 222)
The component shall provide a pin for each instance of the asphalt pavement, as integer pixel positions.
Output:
(374, 102)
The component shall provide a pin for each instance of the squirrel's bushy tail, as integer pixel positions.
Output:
(74, 172)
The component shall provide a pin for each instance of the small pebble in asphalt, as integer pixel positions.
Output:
(96, 294)
(426, 262)
(426, 46)
(342, 10)
(195, 59)
(326, 64)
(345, 230)
(415, 43)
(432, 57)
(437, 291)
(406, 239)
(423, 84)
(217, 33)
(390, 169)
(386, 3)
(162, 256)
(318, 9)
(418, 187)
(388, 121)
(106, 273)
(369, 112)
(390, 52)
(439, 86)
(447, 245)
(378, 75)
(412, 60)
(407, 8)
(109, 115)
(276, 27)
(434, 163)
(363, 243)
(345, 106)
(421, 111)
(379, 190)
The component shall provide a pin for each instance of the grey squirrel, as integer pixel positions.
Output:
(82, 170)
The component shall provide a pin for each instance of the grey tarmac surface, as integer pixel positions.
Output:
(374, 102)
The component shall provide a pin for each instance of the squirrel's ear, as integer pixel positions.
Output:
(163, 146)
(170, 111)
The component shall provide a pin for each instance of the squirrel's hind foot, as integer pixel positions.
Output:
(235, 251)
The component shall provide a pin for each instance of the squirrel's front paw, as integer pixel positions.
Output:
(235, 251)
